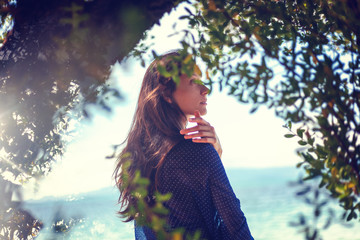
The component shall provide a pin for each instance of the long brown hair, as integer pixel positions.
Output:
(154, 131)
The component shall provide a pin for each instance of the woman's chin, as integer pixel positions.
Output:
(203, 111)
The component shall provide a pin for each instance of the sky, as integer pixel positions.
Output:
(248, 140)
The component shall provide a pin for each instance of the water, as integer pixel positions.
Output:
(267, 199)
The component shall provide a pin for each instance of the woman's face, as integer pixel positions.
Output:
(190, 95)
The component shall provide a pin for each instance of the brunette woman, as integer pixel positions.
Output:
(184, 162)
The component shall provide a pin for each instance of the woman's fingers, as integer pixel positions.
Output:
(200, 131)
(203, 132)
(198, 128)
(199, 135)
(198, 119)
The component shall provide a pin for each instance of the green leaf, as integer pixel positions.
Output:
(299, 164)
(289, 135)
(323, 183)
(300, 132)
(302, 142)
(199, 82)
(143, 181)
(162, 197)
(162, 71)
(254, 109)
(311, 150)
(351, 215)
(289, 124)
(160, 210)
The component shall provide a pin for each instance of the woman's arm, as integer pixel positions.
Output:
(223, 197)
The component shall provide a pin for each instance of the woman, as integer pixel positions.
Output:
(184, 162)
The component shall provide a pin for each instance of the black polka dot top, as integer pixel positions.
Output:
(202, 197)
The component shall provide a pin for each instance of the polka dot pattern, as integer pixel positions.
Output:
(202, 197)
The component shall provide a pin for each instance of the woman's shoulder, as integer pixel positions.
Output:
(189, 145)
(187, 150)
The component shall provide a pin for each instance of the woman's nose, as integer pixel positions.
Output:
(204, 90)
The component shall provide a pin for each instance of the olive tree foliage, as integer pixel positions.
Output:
(300, 58)
(55, 59)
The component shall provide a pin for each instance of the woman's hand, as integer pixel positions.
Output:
(202, 133)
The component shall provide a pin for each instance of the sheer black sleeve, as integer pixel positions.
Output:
(229, 216)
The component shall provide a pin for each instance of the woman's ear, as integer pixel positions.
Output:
(167, 99)
(167, 96)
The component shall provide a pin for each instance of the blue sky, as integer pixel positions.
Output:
(248, 140)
